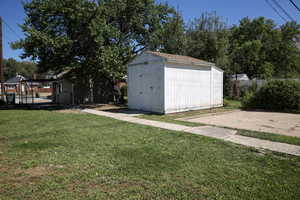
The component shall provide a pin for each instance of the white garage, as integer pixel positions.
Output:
(166, 83)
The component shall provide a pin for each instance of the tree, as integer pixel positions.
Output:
(288, 55)
(173, 38)
(207, 39)
(13, 67)
(260, 50)
(92, 39)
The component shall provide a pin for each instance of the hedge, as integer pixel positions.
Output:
(275, 95)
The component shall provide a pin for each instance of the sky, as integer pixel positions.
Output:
(231, 10)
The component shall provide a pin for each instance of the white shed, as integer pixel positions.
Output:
(166, 83)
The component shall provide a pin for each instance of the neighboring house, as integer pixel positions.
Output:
(240, 77)
(13, 85)
(63, 89)
(69, 91)
(166, 83)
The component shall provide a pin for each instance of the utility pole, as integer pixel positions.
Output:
(1, 62)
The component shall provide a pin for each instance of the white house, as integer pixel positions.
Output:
(166, 83)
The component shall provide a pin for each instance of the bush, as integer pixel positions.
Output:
(123, 94)
(2, 102)
(275, 95)
(124, 90)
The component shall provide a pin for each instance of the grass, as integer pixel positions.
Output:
(232, 104)
(173, 118)
(270, 136)
(170, 118)
(50, 155)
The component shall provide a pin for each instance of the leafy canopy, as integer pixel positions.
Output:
(91, 37)
(260, 50)
(13, 67)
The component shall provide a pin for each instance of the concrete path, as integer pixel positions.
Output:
(209, 131)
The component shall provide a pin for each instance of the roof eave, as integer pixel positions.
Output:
(193, 64)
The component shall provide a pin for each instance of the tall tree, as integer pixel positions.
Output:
(288, 54)
(173, 38)
(261, 50)
(24, 68)
(91, 38)
(207, 38)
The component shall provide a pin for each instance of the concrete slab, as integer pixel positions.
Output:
(215, 132)
(272, 122)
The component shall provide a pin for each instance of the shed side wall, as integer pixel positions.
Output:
(217, 85)
(187, 87)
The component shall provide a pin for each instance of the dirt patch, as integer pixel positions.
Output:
(37, 171)
(72, 111)
(103, 107)
(100, 107)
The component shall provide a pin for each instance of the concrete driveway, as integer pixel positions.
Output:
(272, 122)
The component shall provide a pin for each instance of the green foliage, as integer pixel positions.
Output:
(275, 95)
(124, 89)
(287, 55)
(266, 71)
(13, 67)
(231, 104)
(260, 50)
(2, 103)
(93, 38)
(227, 84)
(207, 38)
(173, 39)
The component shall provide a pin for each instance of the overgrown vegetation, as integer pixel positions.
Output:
(81, 156)
(275, 95)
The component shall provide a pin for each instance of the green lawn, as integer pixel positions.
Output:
(270, 136)
(172, 118)
(50, 155)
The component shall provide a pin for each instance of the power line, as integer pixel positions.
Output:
(283, 10)
(295, 5)
(284, 19)
(12, 30)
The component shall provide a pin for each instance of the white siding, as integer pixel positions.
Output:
(157, 86)
(217, 87)
(145, 84)
(187, 88)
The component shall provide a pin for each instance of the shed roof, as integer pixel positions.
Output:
(15, 80)
(180, 59)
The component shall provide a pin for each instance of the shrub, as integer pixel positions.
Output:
(123, 94)
(2, 102)
(275, 95)
(124, 90)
